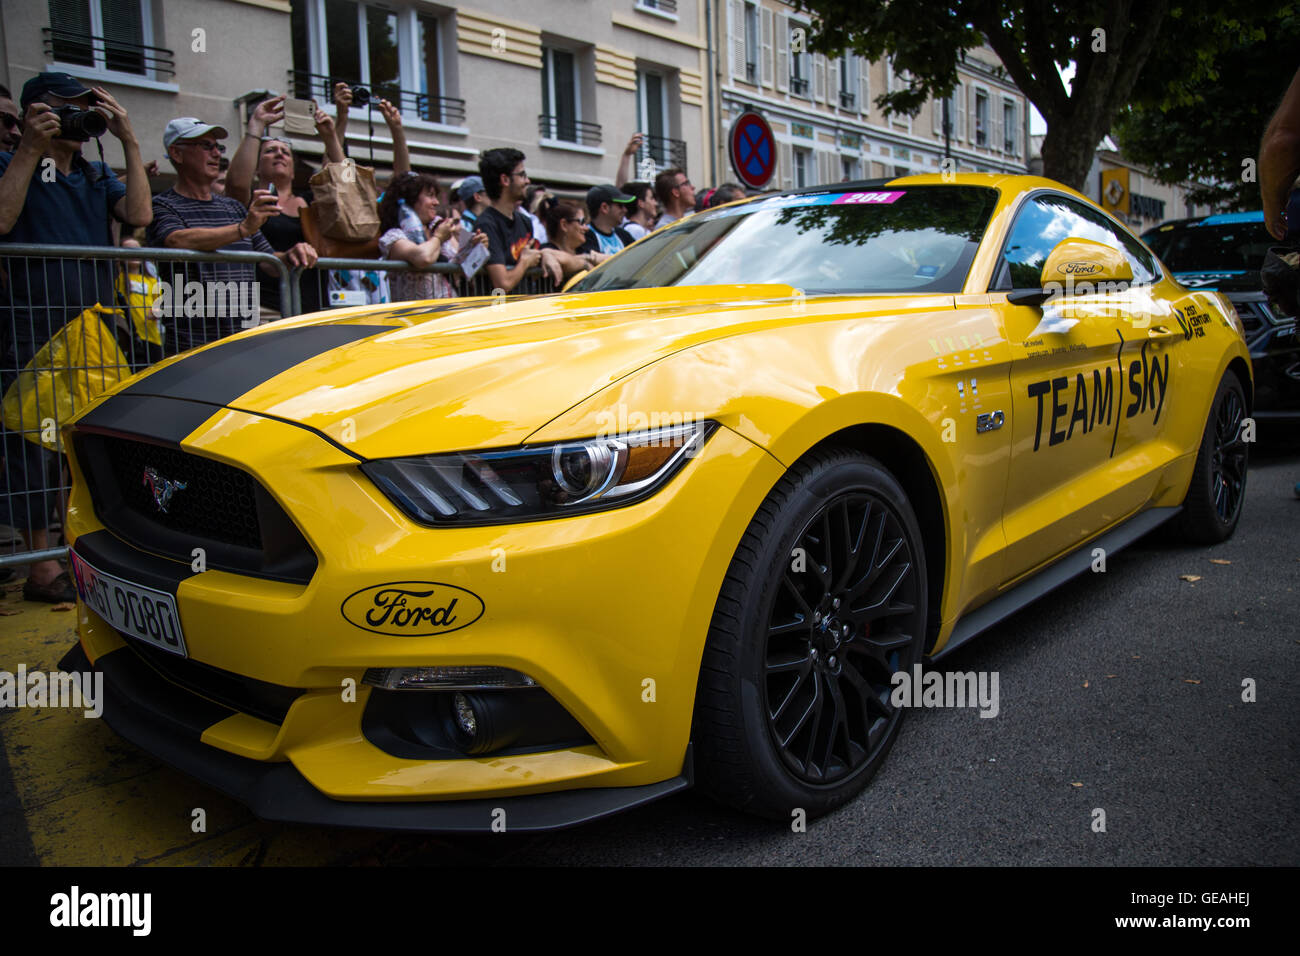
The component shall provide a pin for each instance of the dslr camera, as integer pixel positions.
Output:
(78, 124)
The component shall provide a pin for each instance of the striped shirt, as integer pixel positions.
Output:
(173, 212)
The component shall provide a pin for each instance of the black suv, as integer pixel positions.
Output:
(1224, 253)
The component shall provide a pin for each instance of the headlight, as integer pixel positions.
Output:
(537, 481)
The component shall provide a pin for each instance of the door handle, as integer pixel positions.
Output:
(1157, 330)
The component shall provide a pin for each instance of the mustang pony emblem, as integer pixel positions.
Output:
(162, 488)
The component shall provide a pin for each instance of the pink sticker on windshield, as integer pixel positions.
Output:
(866, 198)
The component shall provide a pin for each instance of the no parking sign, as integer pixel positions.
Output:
(753, 150)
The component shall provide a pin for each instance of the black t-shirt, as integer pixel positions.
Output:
(593, 244)
(283, 233)
(506, 237)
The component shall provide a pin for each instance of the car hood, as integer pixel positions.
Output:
(468, 374)
(1221, 280)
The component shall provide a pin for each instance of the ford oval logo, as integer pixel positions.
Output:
(1078, 268)
(412, 608)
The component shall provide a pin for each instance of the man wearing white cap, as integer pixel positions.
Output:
(191, 216)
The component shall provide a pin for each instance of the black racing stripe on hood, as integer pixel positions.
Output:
(156, 419)
(219, 375)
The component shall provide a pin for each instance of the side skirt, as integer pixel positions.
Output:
(1050, 578)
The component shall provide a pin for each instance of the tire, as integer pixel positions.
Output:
(775, 671)
(1214, 498)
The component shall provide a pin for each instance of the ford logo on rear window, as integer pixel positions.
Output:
(412, 608)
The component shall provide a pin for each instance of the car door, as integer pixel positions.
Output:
(1073, 360)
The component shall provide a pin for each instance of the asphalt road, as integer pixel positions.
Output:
(1121, 691)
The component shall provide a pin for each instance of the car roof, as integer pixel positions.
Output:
(1217, 219)
(1009, 184)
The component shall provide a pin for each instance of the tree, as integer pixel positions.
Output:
(1210, 136)
(1109, 41)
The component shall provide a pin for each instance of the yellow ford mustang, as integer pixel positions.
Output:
(464, 565)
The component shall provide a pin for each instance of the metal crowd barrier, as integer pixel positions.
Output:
(362, 277)
(126, 309)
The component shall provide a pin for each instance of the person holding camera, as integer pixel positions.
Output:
(50, 193)
(346, 97)
(270, 159)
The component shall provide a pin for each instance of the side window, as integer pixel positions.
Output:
(1045, 221)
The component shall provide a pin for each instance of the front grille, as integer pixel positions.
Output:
(269, 702)
(217, 501)
(208, 504)
(1252, 316)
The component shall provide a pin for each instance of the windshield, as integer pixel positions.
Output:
(1227, 246)
(914, 239)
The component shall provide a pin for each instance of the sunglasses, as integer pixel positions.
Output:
(207, 145)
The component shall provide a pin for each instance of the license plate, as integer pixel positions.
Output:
(139, 611)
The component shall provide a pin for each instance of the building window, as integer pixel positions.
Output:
(848, 169)
(111, 35)
(751, 42)
(395, 52)
(848, 80)
(652, 118)
(1009, 127)
(561, 106)
(799, 69)
(981, 118)
(361, 42)
(802, 165)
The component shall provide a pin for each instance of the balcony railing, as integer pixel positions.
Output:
(798, 86)
(665, 153)
(667, 6)
(568, 131)
(432, 109)
(848, 100)
(97, 52)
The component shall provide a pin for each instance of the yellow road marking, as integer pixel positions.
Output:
(91, 798)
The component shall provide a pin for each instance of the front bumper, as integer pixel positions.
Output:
(278, 792)
(595, 608)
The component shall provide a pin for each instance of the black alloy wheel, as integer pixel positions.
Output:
(824, 601)
(1228, 467)
(1217, 490)
(837, 631)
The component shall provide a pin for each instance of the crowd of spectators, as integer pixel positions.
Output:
(256, 200)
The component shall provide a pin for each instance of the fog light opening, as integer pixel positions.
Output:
(466, 719)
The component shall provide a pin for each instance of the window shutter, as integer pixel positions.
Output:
(736, 37)
(783, 53)
(833, 82)
(765, 19)
(936, 119)
(827, 167)
(959, 112)
(785, 158)
(864, 85)
(819, 77)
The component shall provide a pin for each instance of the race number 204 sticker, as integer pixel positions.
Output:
(867, 198)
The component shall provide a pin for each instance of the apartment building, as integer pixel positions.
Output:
(822, 111)
(566, 81)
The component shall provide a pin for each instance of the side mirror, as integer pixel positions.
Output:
(1077, 261)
